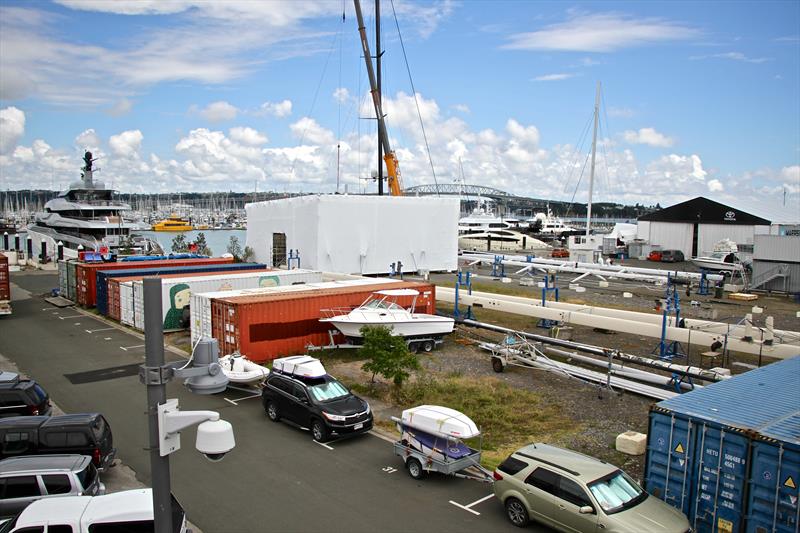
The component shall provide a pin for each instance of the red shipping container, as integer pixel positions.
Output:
(113, 286)
(5, 279)
(86, 279)
(266, 327)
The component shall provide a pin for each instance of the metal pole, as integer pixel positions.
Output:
(594, 151)
(156, 395)
(378, 55)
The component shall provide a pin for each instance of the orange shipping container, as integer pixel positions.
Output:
(5, 279)
(266, 327)
(86, 279)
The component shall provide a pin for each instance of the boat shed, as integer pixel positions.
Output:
(696, 225)
(356, 234)
(776, 263)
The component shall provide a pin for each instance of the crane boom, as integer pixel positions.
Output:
(392, 165)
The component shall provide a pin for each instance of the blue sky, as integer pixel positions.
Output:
(699, 98)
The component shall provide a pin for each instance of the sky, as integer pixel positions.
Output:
(697, 98)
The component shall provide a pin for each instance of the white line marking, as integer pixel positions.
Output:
(71, 316)
(77, 324)
(382, 437)
(126, 348)
(465, 508)
(107, 339)
(481, 500)
(323, 445)
(95, 330)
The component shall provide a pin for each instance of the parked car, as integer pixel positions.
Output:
(559, 252)
(655, 255)
(672, 256)
(83, 434)
(22, 397)
(572, 492)
(24, 480)
(319, 403)
(128, 511)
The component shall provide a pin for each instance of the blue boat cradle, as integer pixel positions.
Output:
(432, 444)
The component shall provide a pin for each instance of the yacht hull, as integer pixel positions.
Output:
(421, 325)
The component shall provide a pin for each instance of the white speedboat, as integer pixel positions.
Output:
(240, 369)
(719, 261)
(382, 309)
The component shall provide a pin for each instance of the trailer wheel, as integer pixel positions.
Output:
(427, 346)
(497, 365)
(415, 469)
(413, 347)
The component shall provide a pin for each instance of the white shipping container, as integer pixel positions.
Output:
(200, 307)
(126, 303)
(176, 292)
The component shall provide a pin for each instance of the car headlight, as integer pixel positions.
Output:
(368, 409)
(335, 418)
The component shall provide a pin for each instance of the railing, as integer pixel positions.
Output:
(780, 271)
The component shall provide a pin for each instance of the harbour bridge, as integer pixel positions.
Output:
(470, 195)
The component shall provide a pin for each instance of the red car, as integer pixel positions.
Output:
(559, 252)
(655, 255)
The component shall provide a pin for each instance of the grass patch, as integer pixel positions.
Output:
(508, 418)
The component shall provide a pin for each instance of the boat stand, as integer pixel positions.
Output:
(252, 394)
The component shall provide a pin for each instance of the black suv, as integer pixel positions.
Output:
(322, 404)
(22, 397)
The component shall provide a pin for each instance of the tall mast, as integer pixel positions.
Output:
(594, 152)
(378, 54)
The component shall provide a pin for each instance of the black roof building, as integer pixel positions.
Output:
(702, 210)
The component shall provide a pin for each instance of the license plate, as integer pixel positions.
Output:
(359, 425)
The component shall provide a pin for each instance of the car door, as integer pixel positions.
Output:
(540, 490)
(282, 395)
(569, 499)
(17, 492)
(300, 406)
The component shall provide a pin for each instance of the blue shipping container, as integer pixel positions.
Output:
(727, 455)
(103, 275)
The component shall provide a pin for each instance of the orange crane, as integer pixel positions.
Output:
(392, 165)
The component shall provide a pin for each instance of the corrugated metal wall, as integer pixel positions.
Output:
(761, 268)
(672, 236)
(777, 248)
(711, 234)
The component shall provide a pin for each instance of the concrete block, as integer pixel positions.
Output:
(632, 443)
(721, 371)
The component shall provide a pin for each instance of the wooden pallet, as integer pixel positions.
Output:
(743, 296)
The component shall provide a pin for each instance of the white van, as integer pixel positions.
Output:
(130, 511)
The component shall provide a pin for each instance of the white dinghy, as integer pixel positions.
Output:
(240, 369)
(440, 421)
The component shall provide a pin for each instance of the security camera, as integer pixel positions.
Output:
(215, 439)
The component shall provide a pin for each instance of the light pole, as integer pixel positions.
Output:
(164, 419)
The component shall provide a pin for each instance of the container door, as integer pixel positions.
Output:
(722, 458)
(772, 504)
(670, 453)
(278, 249)
(71, 281)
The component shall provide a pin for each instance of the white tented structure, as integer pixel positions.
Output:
(356, 234)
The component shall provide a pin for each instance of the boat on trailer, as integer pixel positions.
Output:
(239, 369)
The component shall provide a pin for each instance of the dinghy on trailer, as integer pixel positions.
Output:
(239, 369)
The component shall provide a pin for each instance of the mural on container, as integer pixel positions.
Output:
(179, 296)
(269, 281)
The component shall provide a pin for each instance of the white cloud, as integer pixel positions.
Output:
(648, 136)
(219, 112)
(277, 109)
(341, 95)
(715, 186)
(554, 77)
(123, 106)
(87, 140)
(248, 136)
(734, 56)
(126, 144)
(308, 130)
(12, 128)
(602, 32)
(462, 108)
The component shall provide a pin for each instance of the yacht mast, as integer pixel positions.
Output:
(594, 151)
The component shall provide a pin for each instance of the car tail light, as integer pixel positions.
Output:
(34, 410)
(96, 456)
(496, 475)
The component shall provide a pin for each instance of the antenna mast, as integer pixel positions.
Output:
(594, 151)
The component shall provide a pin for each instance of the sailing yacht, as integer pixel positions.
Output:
(88, 215)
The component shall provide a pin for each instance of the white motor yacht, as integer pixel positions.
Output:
(88, 215)
(550, 224)
(382, 309)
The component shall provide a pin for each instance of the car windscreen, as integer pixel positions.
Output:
(329, 390)
(616, 492)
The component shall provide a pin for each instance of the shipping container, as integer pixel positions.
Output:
(113, 283)
(126, 303)
(728, 455)
(201, 302)
(5, 279)
(176, 292)
(268, 326)
(62, 278)
(66, 278)
(86, 279)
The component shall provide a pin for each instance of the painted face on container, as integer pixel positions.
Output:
(182, 298)
(268, 281)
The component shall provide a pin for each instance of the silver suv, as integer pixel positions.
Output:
(26, 479)
(575, 493)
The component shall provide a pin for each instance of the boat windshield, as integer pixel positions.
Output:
(329, 390)
(617, 492)
(380, 303)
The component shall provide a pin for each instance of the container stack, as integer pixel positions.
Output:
(728, 455)
(5, 286)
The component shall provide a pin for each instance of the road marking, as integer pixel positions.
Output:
(107, 339)
(476, 502)
(323, 445)
(77, 324)
(389, 469)
(126, 348)
(382, 437)
(96, 330)
(70, 316)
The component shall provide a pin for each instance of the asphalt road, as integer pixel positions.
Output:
(276, 479)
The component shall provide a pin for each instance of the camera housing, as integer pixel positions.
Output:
(215, 439)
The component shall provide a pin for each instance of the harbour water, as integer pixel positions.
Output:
(217, 240)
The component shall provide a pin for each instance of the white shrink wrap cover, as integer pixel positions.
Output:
(440, 421)
(358, 234)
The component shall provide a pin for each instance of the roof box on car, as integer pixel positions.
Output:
(9, 377)
(299, 365)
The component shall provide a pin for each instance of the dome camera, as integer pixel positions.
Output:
(215, 439)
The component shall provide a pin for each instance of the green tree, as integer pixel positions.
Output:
(387, 355)
(179, 244)
(202, 246)
(234, 248)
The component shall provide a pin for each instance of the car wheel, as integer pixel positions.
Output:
(516, 512)
(272, 412)
(415, 469)
(497, 364)
(427, 346)
(319, 431)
